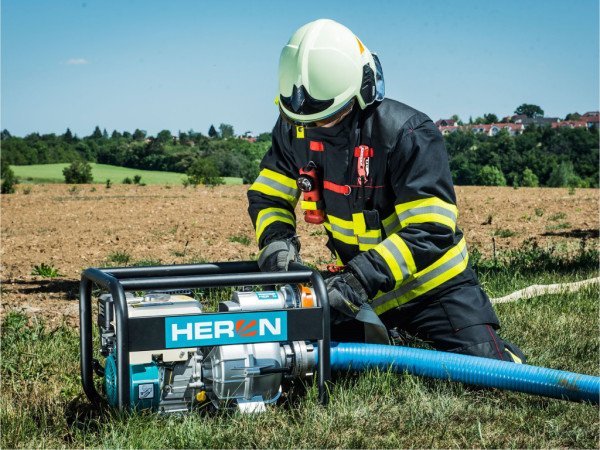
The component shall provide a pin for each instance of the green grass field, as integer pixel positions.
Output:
(43, 406)
(52, 173)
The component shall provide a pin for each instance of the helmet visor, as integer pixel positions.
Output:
(301, 102)
(321, 122)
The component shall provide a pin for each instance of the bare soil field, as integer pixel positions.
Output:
(76, 228)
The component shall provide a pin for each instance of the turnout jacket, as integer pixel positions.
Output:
(397, 232)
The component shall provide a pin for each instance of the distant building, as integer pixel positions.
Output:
(447, 129)
(493, 129)
(446, 123)
(570, 124)
(538, 121)
(590, 118)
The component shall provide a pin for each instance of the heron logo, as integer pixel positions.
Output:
(223, 329)
(243, 330)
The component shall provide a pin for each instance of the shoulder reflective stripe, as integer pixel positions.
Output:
(269, 215)
(427, 210)
(396, 254)
(308, 205)
(391, 224)
(448, 266)
(277, 185)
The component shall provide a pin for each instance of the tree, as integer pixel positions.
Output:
(573, 116)
(529, 179)
(564, 175)
(212, 133)
(249, 171)
(139, 135)
(491, 176)
(68, 136)
(204, 171)
(226, 131)
(490, 118)
(5, 135)
(163, 137)
(97, 134)
(457, 120)
(530, 110)
(79, 172)
(8, 179)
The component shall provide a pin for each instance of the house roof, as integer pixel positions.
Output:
(570, 123)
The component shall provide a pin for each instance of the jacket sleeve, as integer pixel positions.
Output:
(274, 195)
(422, 231)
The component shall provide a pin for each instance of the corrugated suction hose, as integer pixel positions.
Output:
(467, 369)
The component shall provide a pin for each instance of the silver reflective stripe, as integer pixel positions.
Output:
(272, 214)
(341, 230)
(390, 228)
(427, 210)
(277, 186)
(369, 240)
(414, 284)
(398, 257)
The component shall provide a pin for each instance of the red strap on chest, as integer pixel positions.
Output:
(340, 189)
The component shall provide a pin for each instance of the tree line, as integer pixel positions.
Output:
(541, 156)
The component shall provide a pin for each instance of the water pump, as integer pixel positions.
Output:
(162, 351)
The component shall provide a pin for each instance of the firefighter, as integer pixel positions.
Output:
(378, 177)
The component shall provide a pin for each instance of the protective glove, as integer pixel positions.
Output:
(346, 296)
(277, 255)
(348, 300)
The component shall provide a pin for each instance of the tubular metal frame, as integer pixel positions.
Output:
(223, 274)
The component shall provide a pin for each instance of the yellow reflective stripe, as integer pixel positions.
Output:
(277, 185)
(447, 267)
(398, 257)
(308, 205)
(391, 224)
(369, 239)
(515, 358)
(427, 210)
(358, 223)
(338, 260)
(336, 234)
(269, 215)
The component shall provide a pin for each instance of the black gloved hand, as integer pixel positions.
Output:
(346, 295)
(277, 255)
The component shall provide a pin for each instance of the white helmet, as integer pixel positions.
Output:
(322, 69)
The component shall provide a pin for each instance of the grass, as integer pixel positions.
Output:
(241, 239)
(43, 406)
(504, 232)
(119, 257)
(46, 271)
(52, 173)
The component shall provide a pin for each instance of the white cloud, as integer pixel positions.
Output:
(77, 61)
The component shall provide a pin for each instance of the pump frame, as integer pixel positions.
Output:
(117, 280)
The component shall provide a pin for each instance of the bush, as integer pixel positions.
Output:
(8, 179)
(529, 179)
(204, 171)
(491, 176)
(126, 180)
(137, 179)
(79, 172)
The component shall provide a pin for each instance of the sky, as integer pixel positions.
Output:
(189, 64)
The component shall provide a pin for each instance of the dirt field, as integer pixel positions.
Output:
(87, 227)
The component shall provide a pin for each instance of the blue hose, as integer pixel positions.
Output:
(467, 369)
